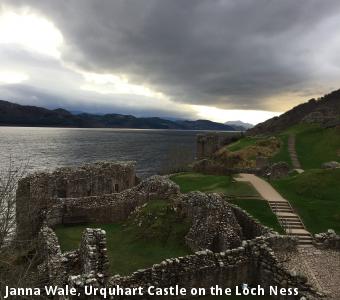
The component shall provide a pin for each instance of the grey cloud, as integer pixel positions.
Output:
(226, 53)
(29, 95)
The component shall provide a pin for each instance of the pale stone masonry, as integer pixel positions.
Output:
(229, 246)
(38, 192)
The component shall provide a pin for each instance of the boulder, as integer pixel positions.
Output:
(330, 165)
(278, 170)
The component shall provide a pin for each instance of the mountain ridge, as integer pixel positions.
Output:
(324, 110)
(13, 114)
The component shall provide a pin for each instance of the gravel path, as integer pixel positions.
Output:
(263, 187)
(321, 267)
(288, 218)
(293, 155)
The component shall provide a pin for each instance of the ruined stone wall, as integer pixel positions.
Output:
(214, 225)
(207, 144)
(52, 268)
(93, 252)
(212, 167)
(110, 208)
(254, 263)
(251, 228)
(38, 192)
(327, 240)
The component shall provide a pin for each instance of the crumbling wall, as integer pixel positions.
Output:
(251, 228)
(110, 208)
(52, 268)
(213, 167)
(58, 268)
(214, 225)
(328, 240)
(254, 263)
(207, 144)
(93, 252)
(37, 192)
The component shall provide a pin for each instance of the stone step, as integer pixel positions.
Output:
(293, 224)
(283, 205)
(279, 204)
(293, 227)
(288, 209)
(300, 232)
(290, 220)
(305, 244)
(297, 226)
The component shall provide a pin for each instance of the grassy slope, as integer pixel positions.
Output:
(210, 183)
(155, 234)
(315, 195)
(261, 211)
(225, 184)
(242, 143)
(315, 145)
(283, 154)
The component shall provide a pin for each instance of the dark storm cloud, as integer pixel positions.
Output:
(227, 53)
(27, 95)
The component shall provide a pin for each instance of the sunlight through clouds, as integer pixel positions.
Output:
(223, 115)
(116, 84)
(10, 77)
(30, 31)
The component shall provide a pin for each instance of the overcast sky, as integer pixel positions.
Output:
(216, 59)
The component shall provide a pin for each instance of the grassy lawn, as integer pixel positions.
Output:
(315, 195)
(154, 234)
(260, 210)
(211, 183)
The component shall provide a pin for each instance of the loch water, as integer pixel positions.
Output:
(48, 148)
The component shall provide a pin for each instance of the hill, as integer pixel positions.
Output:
(325, 111)
(239, 125)
(12, 114)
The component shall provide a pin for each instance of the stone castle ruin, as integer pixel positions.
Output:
(40, 192)
(228, 246)
(208, 143)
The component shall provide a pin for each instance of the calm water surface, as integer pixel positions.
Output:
(48, 148)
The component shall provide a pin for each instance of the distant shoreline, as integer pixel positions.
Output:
(116, 128)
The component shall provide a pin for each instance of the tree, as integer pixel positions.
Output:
(9, 178)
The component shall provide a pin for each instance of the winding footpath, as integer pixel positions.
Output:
(288, 218)
(293, 155)
(321, 267)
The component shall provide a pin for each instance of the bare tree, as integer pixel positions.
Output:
(9, 178)
(18, 261)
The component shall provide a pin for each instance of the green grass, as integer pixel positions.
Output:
(154, 234)
(315, 194)
(242, 143)
(283, 154)
(316, 145)
(261, 211)
(212, 183)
